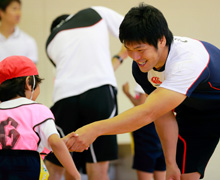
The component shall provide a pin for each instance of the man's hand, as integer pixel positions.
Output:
(81, 139)
(68, 136)
(172, 172)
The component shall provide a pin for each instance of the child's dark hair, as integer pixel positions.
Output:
(145, 24)
(16, 87)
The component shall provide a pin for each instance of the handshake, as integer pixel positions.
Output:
(81, 139)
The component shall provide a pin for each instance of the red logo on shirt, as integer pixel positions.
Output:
(156, 80)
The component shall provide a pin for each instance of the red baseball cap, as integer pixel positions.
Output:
(16, 66)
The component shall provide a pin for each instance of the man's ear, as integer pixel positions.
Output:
(27, 85)
(162, 42)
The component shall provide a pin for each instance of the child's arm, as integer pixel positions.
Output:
(60, 150)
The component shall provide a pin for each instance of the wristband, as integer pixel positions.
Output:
(119, 58)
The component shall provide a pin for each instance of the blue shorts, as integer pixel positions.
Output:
(148, 153)
(19, 165)
(198, 137)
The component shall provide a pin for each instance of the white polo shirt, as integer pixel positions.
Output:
(19, 43)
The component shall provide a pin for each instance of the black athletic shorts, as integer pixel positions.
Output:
(19, 165)
(148, 153)
(199, 133)
(74, 112)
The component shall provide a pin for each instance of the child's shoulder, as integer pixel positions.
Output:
(42, 109)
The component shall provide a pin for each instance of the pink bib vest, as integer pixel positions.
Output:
(17, 126)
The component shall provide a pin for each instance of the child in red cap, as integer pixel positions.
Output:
(26, 127)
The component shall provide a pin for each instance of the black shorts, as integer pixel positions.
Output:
(74, 112)
(19, 165)
(198, 137)
(148, 153)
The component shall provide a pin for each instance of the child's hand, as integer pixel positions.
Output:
(65, 139)
(68, 136)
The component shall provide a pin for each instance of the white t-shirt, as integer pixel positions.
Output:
(180, 72)
(82, 55)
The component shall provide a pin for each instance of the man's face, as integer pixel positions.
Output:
(145, 55)
(12, 14)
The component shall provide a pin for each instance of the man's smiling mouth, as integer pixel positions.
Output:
(142, 63)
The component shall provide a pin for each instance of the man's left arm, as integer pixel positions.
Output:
(167, 129)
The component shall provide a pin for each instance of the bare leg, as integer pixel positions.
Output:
(159, 175)
(56, 172)
(144, 175)
(97, 171)
(68, 176)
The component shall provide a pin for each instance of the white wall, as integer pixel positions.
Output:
(198, 19)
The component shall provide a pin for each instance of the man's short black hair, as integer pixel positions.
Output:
(144, 24)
